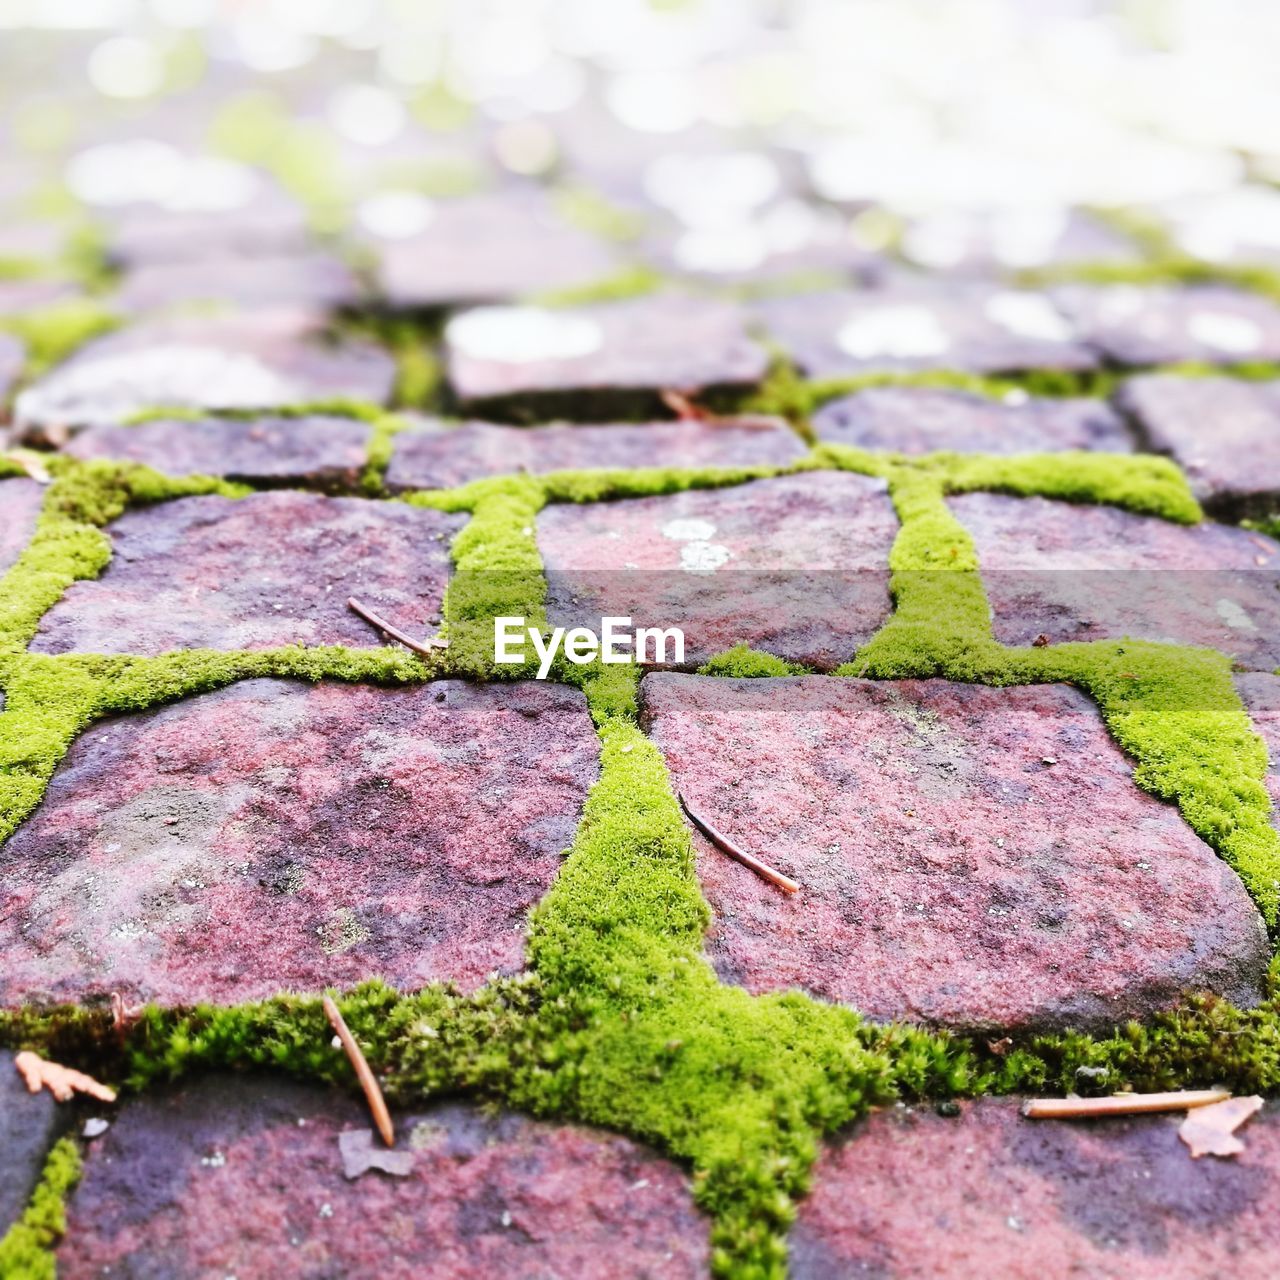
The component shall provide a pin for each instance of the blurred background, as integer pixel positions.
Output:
(742, 141)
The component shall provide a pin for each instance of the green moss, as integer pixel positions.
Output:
(743, 662)
(26, 1251)
(53, 332)
(255, 128)
(595, 213)
(630, 282)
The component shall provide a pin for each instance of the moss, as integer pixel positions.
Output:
(302, 155)
(595, 213)
(746, 663)
(53, 332)
(630, 282)
(26, 1251)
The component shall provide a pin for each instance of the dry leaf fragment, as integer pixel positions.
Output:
(360, 1154)
(62, 1082)
(1210, 1131)
(31, 463)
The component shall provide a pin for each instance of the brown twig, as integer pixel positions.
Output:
(427, 648)
(1121, 1104)
(377, 1103)
(763, 869)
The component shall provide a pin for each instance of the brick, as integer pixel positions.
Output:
(1003, 240)
(29, 1126)
(13, 358)
(257, 360)
(310, 448)
(1223, 432)
(20, 502)
(502, 358)
(795, 565)
(236, 1176)
(1072, 572)
(917, 420)
(313, 280)
(19, 296)
(252, 573)
(1141, 325)
(969, 328)
(439, 456)
(1260, 693)
(970, 857)
(912, 1194)
(281, 836)
(489, 249)
(1237, 225)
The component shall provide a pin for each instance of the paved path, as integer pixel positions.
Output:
(966, 515)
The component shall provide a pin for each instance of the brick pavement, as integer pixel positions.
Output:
(917, 474)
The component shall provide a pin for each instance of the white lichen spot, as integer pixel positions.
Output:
(1236, 335)
(1028, 315)
(341, 932)
(703, 557)
(1234, 616)
(396, 215)
(688, 530)
(898, 332)
(523, 335)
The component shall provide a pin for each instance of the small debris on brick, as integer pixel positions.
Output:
(1121, 1104)
(761, 868)
(63, 1082)
(1211, 1130)
(372, 1091)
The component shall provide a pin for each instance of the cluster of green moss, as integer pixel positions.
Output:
(26, 1248)
(619, 1020)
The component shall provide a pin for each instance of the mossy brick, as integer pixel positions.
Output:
(1235, 226)
(20, 502)
(968, 857)
(240, 360)
(967, 328)
(994, 242)
(244, 1176)
(1136, 325)
(256, 572)
(13, 356)
(316, 449)
(29, 1126)
(1260, 693)
(436, 456)
(909, 1193)
(618, 352)
(320, 281)
(20, 296)
(785, 240)
(1055, 572)
(266, 222)
(489, 248)
(281, 836)
(916, 420)
(1223, 432)
(795, 565)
